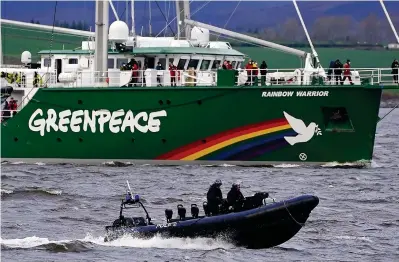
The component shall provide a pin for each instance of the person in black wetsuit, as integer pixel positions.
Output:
(235, 198)
(214, 197)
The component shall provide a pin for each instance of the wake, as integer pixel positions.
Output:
(90, 242)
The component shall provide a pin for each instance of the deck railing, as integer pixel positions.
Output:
(32, 78)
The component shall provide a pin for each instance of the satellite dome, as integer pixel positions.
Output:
(200, 35)
(118, 32)
(26, 57)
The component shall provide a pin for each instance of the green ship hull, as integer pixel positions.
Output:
(180, 125)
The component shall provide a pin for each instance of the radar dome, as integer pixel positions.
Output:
(200, 35)
(118, 32)
(26, 57)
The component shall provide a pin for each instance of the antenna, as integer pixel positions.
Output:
(389, 20)
(128, 186)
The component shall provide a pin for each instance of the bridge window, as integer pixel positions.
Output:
(216, 64)
(181, 64)
(163, 62)
(193, 63)
(121, 61)
(47, 62)
(73, 61)
(111, 63)
(205, 64)
(336, 119)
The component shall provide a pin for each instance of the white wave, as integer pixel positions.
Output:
(127, 241)
(17, 163)
(5, 191)
(54, 191)
(355, 238)
(286, 165)
(374, 164)
(40, 164)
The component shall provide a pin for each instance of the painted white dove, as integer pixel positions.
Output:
(304, 133)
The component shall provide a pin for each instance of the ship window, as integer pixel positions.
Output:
(163, 62)
(205, 64)
(171, 60)
(111, 63)
(216, 64)
(193, 63)
(120, 61)
(234, 64)
(181, 64)
(47, 62)
(73, 61)
(336, 119)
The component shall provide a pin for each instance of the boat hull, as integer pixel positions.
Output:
(241, 125)
(263, 227)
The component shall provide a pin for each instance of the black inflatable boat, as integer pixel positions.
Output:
(256, 225)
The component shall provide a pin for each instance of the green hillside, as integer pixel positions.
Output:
(15, 40)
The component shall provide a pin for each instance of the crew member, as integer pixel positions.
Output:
(395, 69)
(235, 198)
(263, 72)
(249, 68)
(347, 72)
(338, 72)
(214, 197)
(172, 70)
(159, 69)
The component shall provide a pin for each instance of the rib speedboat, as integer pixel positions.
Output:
(256, 225)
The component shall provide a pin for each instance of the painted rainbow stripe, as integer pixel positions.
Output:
(225, 139)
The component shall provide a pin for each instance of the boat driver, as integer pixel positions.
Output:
(214, 197)
(235, 198)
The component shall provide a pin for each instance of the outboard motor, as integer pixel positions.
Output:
(168, 214)
(181, 211)
(194, 211)
(206, 209)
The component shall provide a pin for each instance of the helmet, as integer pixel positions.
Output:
(218, 182)
(237, 183)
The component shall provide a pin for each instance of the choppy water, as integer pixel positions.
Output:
(58, 212)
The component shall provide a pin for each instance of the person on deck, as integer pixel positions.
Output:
(338, 72)
(135, 71)
(172, 70)
(249, 68)
(347, 72)
(159, 69)
(263, 72)
(330, 70)
(395, 70)
(214, 197)
(235, 198)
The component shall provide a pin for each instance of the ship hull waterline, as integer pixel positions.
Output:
(195, 125)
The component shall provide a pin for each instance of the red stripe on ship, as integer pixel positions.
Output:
(197, 146)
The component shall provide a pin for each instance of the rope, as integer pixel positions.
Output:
(165, 18)
(228, 20)
(286, 208)
(388, 113)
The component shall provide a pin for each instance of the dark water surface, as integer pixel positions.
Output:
(58, 212)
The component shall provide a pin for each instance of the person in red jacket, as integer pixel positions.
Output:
(172, 70)
(249, 68)
(347, 72)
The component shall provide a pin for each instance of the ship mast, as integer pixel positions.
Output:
(315, 55)
(389, 20)
(181, 16)
(101, 39)
(132, 15)
(1, 47)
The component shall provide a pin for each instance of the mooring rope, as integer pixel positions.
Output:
(286, 208)
(388, 113)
